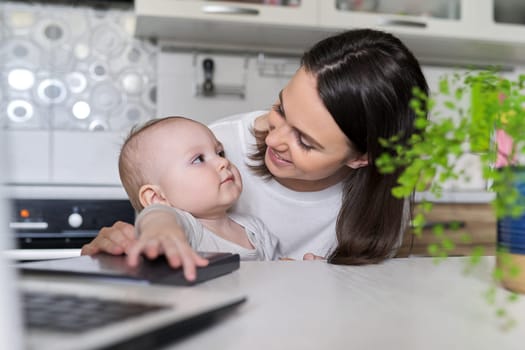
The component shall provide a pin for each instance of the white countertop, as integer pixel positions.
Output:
(401, 304)
(408, 303)
(40, 254)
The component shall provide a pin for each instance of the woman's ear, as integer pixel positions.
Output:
(358, 162)
(150, 194)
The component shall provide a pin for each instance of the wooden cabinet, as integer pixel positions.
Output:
(479, 223)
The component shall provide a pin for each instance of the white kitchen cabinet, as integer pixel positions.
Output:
(421, 18)
(244, 23)
(440, 31)
(503, 20)
(468, 32)
(298, 12)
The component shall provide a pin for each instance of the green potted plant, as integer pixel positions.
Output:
(481, 113)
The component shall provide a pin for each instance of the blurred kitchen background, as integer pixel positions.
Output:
(76, 75)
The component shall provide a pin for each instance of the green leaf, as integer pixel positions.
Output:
(450, 105)
(443, 86)
(420, 123)
(448, 245)
(465, 238)
(433, 249)
(497, 274)
(500, 312)
(419, 220)
(459, 93)
(438, 230)
(514, 271)
(476, 255)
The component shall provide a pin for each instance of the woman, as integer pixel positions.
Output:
(313, 179)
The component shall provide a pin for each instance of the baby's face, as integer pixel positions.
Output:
(191, 168)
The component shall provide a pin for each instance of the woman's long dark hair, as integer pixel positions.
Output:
(365, 80)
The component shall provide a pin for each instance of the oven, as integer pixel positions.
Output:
(49, 222)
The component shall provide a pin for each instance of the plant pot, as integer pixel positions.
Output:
(511, 240)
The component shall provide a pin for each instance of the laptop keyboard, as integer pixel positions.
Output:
(75, 314)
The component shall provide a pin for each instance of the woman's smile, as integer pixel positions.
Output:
(276, 158)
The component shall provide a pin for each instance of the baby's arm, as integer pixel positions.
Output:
(159, 230)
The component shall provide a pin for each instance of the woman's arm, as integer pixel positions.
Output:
(115, 240)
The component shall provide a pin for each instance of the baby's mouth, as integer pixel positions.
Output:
(229, 178)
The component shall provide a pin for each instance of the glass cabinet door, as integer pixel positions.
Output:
(445, 9)
(418, 17)
(509, 11)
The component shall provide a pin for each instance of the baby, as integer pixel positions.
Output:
(175, 171)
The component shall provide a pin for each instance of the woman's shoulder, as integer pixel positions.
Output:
(235, 133)
(237, 119)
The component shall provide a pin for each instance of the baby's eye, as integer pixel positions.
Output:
(198, 159)
(221, 154)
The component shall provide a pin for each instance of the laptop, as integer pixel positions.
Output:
(94, 312)
(156, 271)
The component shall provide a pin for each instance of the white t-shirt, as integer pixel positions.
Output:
(302, 221)
(266, 245)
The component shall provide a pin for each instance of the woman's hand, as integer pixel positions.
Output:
(312, 256)
(115, 240)
(160, 233)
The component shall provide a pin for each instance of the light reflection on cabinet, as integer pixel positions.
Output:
(284, 12)
(434, 18)
(446, 9)
(284, 3)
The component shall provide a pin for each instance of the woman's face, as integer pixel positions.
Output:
(306, 148)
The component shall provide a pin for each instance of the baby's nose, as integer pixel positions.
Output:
(223, 163)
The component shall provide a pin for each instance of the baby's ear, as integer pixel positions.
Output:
(151, 194)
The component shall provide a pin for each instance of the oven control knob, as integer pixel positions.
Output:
(75, 220)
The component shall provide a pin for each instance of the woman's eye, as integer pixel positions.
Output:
(221, 154)
(303, 144)
(198, 159)
(277, 108)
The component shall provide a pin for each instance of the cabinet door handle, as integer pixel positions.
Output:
(229, 10)
(402, 23)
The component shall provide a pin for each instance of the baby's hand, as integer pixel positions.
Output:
(161, 234)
